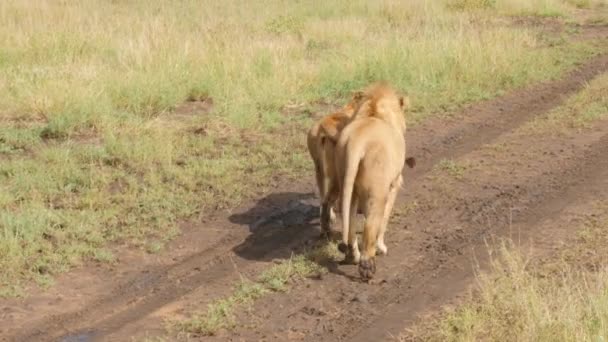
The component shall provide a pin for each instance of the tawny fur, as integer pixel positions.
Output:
(370, 155)
(322, 138)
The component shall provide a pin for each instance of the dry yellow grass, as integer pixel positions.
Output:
(520, 298)
(97, 64)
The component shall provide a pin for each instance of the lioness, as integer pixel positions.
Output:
(322, 138)
(370, 155)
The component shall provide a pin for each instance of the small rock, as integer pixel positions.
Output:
(311, 311)
(361, 298)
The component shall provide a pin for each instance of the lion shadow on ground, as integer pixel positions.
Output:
(280, 224)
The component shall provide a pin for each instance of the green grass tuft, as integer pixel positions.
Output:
(220, 314)
(452, 168)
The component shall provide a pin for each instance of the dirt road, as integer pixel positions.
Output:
(505, 181)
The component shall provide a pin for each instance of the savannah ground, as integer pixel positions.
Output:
(154, 182)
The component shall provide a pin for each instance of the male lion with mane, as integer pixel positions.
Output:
(370, 155)
(321, 140)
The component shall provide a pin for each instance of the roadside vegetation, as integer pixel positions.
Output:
(562, 296)
(579, 112)
(522, 299)
(119, 119)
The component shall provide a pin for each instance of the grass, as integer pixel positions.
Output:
(522, 300)
(405, 209)
(591, 247)
(580, 110)
(93, 156)
(220, 314)
(452, 168)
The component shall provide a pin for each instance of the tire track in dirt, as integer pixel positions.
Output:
(143, 294)
(146, 293)
(434, 263)
(481, 123)
(543, 240)
(585, 175)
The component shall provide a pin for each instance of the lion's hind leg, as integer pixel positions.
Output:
(374, 215)
(392, 195)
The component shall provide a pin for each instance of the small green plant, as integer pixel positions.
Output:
(104, 255)
(154, 247)
(276, 277)
(453, 168)
(327, 252)
(14, 140)
(406, 209)
(12, 291)
(45, 281)
(220, 314)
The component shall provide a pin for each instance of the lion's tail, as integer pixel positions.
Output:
(325, 141)
(351, 166)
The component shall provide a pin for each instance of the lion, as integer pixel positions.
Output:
(370, 156)
(321, 140)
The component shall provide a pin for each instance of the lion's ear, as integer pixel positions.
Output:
(404, 102)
